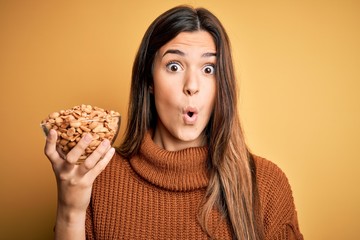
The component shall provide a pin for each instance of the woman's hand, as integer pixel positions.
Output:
(74, 181)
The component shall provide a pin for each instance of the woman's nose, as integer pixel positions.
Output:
(191, 85)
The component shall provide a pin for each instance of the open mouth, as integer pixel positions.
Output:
(190, 115)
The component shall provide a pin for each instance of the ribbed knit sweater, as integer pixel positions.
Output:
(157, 194)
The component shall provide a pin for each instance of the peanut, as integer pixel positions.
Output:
(72, 124)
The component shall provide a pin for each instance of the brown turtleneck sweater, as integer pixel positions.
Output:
(156, 195)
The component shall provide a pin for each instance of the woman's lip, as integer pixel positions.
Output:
(190, 118)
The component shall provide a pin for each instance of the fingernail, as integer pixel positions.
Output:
(88, 137)
(112, 151)
(52, 132)
(105, 143)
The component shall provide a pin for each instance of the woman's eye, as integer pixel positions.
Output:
(209, 69)
(173, 67)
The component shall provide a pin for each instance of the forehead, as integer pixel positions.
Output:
(198, 40)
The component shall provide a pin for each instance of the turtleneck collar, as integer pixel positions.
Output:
(183, 170)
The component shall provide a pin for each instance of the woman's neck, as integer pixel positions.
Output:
(174, 141)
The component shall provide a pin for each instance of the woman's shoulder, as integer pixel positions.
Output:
(276, 199)
(271, 181)
(268, 174)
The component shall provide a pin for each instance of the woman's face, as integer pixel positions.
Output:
(184, 90)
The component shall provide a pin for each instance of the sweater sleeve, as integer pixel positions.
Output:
(277, 203)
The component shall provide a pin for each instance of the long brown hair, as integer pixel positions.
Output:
(232, 185)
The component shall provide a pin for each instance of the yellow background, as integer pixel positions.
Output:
(298, 64)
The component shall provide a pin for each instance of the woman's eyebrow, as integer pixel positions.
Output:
(178, 52)
(174, 51)
(209, 54)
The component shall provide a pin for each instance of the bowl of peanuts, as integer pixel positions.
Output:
(72, 124)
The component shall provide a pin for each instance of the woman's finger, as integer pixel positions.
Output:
(99, 152)
(50, 146)
(100, 165)
(73, 156)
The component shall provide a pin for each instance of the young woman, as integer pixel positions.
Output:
(183, 170)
